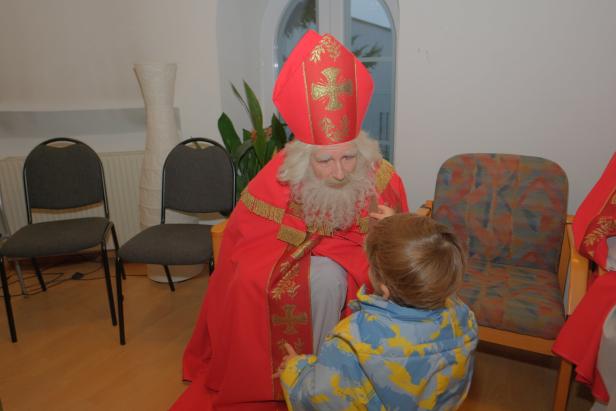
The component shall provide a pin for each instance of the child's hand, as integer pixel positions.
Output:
(384, 211)
(291, 353)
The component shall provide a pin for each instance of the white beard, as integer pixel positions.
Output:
(325, 205)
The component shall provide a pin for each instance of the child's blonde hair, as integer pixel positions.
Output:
(418, 259)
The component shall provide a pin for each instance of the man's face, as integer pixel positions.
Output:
(333, 164)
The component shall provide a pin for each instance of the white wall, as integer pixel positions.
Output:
(535, 77)
(240, 57)
(532, 77)
(67, 55)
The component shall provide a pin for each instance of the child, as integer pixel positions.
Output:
(410, 345)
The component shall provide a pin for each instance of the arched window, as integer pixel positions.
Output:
(298, 18)
(368, 29)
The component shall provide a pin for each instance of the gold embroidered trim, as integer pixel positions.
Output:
(383, 176)
(329, 129)
(331, 89)
(301, 249)
(291, 235)
(287, 284)
(605, 226)
(290, 319)
(323, 229)
(327, 44)
(363, 223)
(261, 208)
(295, 209)
(308, 102)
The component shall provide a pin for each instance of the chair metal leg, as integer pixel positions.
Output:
(211, 265)
(37, 270)
(116, 244)
(108, 283)
(120, 298)
(7, 301)
(169, 279)
(561, 394)
(20, 277)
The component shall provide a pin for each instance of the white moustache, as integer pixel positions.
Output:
(335, 183)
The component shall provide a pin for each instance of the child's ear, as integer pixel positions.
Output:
(384, 291)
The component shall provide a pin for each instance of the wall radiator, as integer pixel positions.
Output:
(122, 171)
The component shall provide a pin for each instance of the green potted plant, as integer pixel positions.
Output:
(256, 147)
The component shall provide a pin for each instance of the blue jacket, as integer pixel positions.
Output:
(387, 357)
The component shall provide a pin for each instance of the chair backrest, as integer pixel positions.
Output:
(198, 177)
(63, 173)
(4, 225)
(506, 209)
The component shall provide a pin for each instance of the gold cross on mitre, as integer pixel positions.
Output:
(331, 89)
(290, 320)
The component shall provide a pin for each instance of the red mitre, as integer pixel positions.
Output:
(323, 91)
(595, 219)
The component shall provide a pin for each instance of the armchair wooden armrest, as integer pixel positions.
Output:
(576, 266)
(426, 209)
(216, 233)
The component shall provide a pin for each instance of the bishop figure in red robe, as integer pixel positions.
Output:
(292, 254)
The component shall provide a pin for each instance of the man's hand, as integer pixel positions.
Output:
(383, 211)
(291, 353)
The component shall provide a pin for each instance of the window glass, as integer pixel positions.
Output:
(372, 41)
(371, 29)
(378, 121)
(299, 17)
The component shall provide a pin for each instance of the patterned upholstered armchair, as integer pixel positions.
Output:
(510, 213)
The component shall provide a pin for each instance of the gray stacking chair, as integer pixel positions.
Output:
(60, 174)
(5, 233)
(198, 177)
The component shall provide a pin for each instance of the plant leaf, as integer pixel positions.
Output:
(260, 147)
(228, 133)
(241, 183)
(239, 96)
(246, 135)
(249, 165)
(254, 165)
(241, 152)
(256, 116)
(270, 149)
(279, 135)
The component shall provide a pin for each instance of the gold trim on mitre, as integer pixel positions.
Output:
(331, 88)
(261, 208)
(329, 129)
(326, 44)
(383, 175)
(307, 94)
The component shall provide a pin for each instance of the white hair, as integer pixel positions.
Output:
(297, 157)
(322, 204)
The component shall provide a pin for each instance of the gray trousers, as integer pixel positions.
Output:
(606, 362)
(328, 288)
